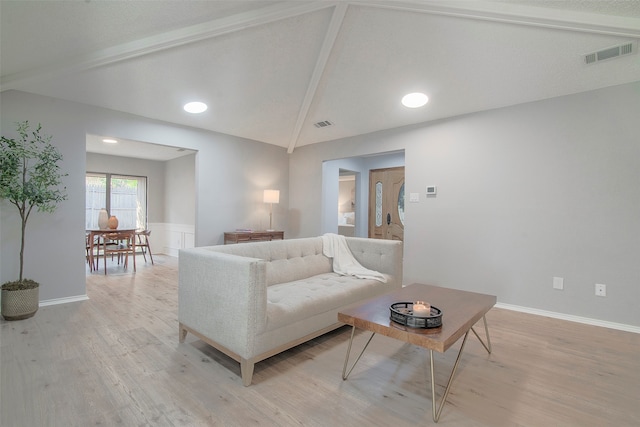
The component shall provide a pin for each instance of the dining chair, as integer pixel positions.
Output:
(95, 247)
(120, 243)
(143, 242)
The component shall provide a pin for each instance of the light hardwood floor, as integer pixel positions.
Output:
(115, 360)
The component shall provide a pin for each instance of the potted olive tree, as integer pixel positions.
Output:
(29, 177)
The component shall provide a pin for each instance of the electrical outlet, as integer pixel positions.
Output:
(601, 290)
(558, 283)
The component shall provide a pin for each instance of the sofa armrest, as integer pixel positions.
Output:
(223, 297)
(384, 256)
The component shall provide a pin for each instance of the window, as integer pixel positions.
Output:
(121, 195)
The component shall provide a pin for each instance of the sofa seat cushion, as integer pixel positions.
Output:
(301, 299)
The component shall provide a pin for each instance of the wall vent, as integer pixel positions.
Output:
(323, 124)
(612, 52)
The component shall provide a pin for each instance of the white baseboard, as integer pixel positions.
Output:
(571, 318)
(57, 301)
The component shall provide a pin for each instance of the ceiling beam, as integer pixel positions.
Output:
(321, 65)
(519, 14)
(167, 40)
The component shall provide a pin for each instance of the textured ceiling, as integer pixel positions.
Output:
(270, 70)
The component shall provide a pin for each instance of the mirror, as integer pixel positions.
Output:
(347, 203)
(401, 204)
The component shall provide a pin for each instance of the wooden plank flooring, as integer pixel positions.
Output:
(115, 360)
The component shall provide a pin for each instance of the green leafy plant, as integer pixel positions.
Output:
(30, 177)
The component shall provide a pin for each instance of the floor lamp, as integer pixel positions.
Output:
(271, 197)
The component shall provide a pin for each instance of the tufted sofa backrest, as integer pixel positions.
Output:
(287, 260)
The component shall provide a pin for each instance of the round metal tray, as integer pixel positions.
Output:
(402, 313)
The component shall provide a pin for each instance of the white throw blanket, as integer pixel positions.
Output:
(335, 246)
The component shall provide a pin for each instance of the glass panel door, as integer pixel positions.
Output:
(95, 198)
(128, 201)
(124, 197)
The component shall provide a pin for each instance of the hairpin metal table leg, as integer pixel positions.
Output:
(487, 346)
(345, 374)
(434, 406)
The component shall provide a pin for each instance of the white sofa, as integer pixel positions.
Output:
(254, 300)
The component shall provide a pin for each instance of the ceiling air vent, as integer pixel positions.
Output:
(612, 52)
(323, 124)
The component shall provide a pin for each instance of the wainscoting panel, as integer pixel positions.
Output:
(168, 239)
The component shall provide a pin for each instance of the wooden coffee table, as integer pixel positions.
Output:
(461, 310)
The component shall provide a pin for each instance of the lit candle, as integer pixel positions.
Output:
(421, 308)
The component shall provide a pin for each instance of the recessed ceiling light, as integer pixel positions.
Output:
(110, 141)
(195, 107)
(414, 100)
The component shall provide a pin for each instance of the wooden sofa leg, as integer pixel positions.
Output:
(182, 333)
(246, 369)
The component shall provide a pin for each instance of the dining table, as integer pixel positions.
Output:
(103, 233)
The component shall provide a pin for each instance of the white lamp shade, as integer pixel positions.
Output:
(272, 196)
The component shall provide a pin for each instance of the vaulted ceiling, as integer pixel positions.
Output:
(270, 70)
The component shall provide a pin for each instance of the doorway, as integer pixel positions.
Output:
(360, 166)
(386, 203)
(170, 190)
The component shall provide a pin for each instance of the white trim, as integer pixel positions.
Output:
(571, 318)
(57, 301)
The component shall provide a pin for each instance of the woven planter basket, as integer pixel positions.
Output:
(20, 304)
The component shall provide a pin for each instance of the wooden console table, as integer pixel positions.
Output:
(252, 236)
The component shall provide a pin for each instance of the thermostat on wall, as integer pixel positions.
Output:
(432, 190)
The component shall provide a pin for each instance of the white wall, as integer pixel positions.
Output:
(231, 173)
(525, 193)
(180, 190)
(54, 242)
(178, 230)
